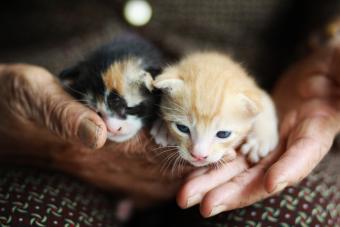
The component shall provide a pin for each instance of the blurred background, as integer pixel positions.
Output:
(264, 35)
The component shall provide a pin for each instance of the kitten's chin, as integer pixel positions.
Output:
(199, 163)
(119, 138)
(196, 163)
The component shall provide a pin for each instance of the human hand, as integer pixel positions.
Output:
(308, 102)
(33, 103)
(41, 124)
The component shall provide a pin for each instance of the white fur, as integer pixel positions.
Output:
(161, 134)
(134, 76)
(130, 126)
(264, 136)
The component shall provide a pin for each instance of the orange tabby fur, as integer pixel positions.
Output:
(209, 92)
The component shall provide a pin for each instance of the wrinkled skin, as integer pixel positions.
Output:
(35, 122)
(308, 102)
(41, 124)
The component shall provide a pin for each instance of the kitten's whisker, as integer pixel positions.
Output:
(171, 109)
(165, 151)
(74, 90)
(168, 161)
(181, 165)
(175, 165)
(160, 148)
(72, 101)
(168, 99)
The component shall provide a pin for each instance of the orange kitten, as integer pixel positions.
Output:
(210, 106)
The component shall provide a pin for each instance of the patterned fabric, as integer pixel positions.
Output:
(314, 202)
(31, 197)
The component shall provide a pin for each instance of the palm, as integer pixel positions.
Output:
(308, 103)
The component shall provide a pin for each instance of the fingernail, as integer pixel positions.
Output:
(193, 200)
(279, 187)
(88, 132)
(217, 209)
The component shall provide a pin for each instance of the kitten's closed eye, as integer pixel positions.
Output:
(116, 82)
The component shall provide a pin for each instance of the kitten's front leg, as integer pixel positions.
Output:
(264, 136)
(161, 134)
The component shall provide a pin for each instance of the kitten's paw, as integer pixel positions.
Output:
(161, 134)
(257, 147)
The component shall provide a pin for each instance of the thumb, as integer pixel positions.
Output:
(54, 109)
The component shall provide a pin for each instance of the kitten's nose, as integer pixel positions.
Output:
(199, 157)
(116, 126)
(200, 151)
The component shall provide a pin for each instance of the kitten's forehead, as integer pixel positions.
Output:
(122, 77)
(212, 84)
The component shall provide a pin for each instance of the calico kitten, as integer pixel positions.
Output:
(115, 81)
(210, 106)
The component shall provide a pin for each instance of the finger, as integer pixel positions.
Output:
(53, 108)
(196, 173)
(193, 190)
(307, 145)
(287, 124)
(335, 65)
(320, 86)
(72, 120)
(242, 190)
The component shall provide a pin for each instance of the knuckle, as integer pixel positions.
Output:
(57, 115)
(210, 200)
(17, 91)
(187, 189)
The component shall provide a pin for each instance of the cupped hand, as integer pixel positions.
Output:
(41, 124)
(32, 99)
(308, 103)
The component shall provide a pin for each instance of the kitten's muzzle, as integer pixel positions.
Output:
(198, 157)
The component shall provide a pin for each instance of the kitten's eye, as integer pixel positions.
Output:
(223, 134)
(183, 128)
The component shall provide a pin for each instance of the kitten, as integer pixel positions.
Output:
(210, 106)
(116, 82)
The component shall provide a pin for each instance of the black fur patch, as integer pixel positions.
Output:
(117, 104)
(86, 76)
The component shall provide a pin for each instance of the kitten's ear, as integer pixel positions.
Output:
(69, 76)
(251, 102)
(169, 81)
(154, 71)
(147, 81)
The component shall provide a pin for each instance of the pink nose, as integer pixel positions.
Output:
(199, 157)
(115, 129)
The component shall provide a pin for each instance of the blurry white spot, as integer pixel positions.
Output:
(137, 12)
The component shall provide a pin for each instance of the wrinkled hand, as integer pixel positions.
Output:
(31, 97)
(41, 124)
(308, 102)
